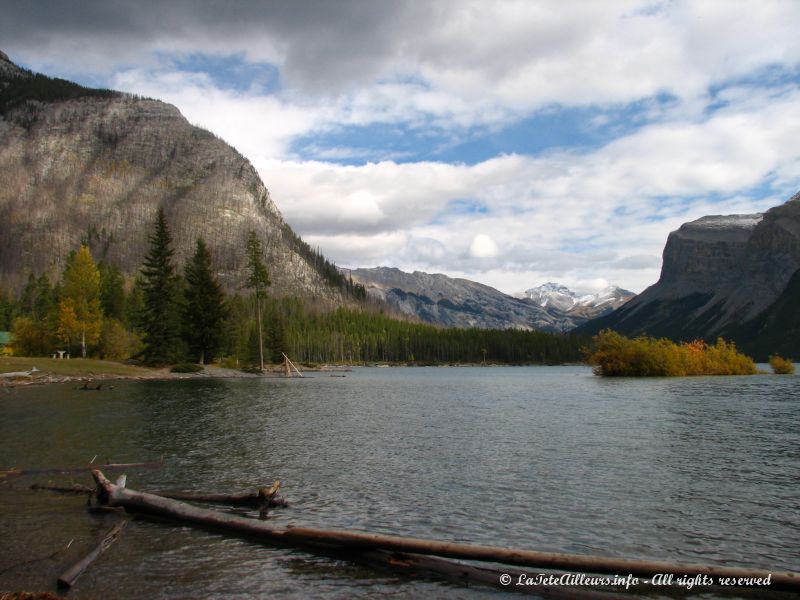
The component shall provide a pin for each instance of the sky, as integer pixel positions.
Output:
(511, 142)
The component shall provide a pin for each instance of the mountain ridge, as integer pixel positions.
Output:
(94, 165)
(456, 302)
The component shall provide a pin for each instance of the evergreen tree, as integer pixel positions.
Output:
(160, 320)
(203, 307)
(38, 298)
(276, 334)
(6, 311)
(33, 325)
(79, 312)
(133, 315)
(257, 280)
(112, 291)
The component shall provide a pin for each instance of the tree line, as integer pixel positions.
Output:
(166, 316)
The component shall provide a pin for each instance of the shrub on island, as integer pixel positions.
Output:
(780, 365)
(614, 355)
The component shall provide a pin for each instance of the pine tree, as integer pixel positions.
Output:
(257, 280)
(112, 291)
(276, 334)
(160, 320)
(79, 312)
(203, 309)
(6, 311)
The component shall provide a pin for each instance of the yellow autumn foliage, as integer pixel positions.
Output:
(614, 355)
(780, 365)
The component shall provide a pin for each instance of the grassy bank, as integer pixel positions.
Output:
(74, 367)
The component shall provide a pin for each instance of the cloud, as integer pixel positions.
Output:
(562, 216)
(483, 246)
(714, 130)
(464, 60)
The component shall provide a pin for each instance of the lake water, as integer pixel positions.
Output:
(548, 458)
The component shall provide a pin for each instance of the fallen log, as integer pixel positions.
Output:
(416, 565)
(70, 576)
(131, 500)
(260, 498)
(256, 499)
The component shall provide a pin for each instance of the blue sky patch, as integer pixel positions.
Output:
(230, 72)
(548, 130)
(459, 207)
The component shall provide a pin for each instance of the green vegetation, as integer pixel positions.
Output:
(79, 312)
(36, 87)
(74, 367)
(358, 335)
(159, 319)
(165, 318)
(258, 281)
(781, 366)
(613, 355)
(203, 310)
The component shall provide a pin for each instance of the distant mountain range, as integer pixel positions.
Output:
(451, 302)
(736, 276)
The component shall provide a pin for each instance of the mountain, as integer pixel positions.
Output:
(79, 164)
(559, 299)
(451, 302)
(736, 276)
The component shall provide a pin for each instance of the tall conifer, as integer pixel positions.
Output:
(203, 308)
(257, 280)
(160, 319)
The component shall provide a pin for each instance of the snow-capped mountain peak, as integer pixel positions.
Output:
(559, 296)
(552, 295)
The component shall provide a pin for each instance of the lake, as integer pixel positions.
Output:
(547, 458)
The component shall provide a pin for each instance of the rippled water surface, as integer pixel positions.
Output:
(549, 458)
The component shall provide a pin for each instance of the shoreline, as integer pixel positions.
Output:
(34, 371)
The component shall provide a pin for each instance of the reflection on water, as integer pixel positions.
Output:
(550, 458)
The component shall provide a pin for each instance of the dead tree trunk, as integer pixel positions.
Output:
(70, 576)
(257, 499)
(362, 542)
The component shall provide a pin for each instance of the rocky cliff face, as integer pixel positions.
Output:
(443, 300)
(723, 275)
(80, 164)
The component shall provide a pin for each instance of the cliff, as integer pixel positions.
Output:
(733, 276)
(81, 164)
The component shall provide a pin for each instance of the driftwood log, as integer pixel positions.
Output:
(256, 499)
(70, 576)
(417, 565)
(352, 541)
(262, 497)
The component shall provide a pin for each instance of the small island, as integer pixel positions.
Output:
(614, 355)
